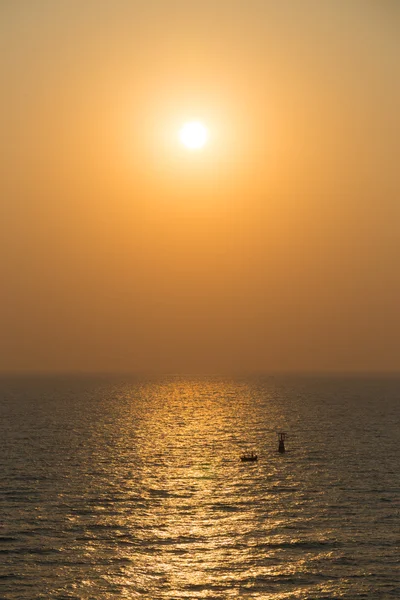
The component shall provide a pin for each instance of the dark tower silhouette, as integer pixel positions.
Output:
(282, 438)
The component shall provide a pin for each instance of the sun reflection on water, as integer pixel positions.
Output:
(136, 489)
(184, 518)
(202, 509)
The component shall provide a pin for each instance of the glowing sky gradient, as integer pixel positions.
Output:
(274, 248)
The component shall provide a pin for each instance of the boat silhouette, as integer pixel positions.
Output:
(249, 457)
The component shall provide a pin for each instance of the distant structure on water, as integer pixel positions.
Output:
(282, 437)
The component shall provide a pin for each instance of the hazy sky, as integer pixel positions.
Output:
(276, 247)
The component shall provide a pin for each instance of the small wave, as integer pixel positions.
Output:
(304, 544)
(225, 507)
(158, 493)
(31, 550)
(281, 488)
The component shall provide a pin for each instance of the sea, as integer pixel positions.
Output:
(132, 487)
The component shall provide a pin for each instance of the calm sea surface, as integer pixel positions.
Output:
(129, 488)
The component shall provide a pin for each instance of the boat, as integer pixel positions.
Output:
(249, 457)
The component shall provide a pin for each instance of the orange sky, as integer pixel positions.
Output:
(275, 248)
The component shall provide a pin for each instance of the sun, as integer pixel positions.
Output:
(193, 135)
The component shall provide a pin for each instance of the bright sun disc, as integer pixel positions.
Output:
(193, 135)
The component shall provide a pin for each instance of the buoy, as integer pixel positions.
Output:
(282, 438)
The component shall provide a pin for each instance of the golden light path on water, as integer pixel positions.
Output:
(205, 523)
(132, 488)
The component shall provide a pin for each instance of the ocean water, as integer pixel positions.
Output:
(134, 488)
